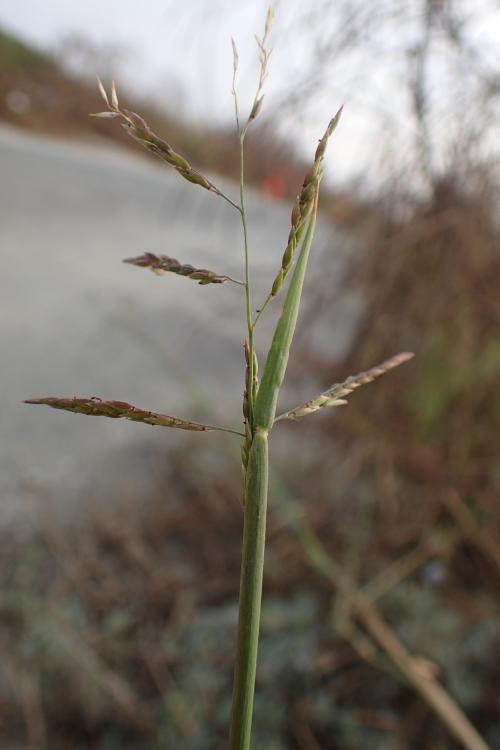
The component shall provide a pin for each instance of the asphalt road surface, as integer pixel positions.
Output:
(77, 321)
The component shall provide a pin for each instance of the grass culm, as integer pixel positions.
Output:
(260, 397)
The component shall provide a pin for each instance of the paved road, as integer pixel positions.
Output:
(76, 321)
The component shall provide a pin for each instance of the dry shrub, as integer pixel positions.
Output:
(432, 281)
(119, 633)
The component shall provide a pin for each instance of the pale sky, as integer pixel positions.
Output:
(168, 47)
(161, 40)
(180, 54)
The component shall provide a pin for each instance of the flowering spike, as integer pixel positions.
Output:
(303, 205)
(161, 264)
(335, 395)
(118, 410)
(138, 129)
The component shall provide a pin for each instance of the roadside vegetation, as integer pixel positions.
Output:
(380, 621)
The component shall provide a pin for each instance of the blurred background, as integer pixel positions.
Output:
(120, 547)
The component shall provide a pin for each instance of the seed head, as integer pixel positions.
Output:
(303, 205)
(96, 407)
(138, 129)
(336, 394)
(161, 264)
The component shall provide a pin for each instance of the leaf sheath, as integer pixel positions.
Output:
(252, 566)
(277, 359)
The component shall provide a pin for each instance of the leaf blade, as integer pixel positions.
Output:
(277, 358)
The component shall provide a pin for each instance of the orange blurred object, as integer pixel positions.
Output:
(275, 187)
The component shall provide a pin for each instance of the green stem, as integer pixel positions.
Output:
(225, 197)
(225, 429)
(254, 533)
(261, 309)
(235, 281)
(248, 301)
(252, 566)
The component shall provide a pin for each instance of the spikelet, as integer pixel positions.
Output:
(335, 395)
(118, 410)
(138, 129)
(251, 386)
(303, 206)
(161, 264)
(264, 55)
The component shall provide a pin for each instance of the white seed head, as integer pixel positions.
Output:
(335, 402)
(235, 55)
(269, 19)
(114, 96)
(104, 114)
(102, 90)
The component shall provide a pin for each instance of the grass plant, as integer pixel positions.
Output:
(259, 398)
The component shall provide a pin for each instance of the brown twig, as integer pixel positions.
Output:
(439, 543)
(419, 673)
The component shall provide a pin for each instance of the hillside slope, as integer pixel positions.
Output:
(36, 93)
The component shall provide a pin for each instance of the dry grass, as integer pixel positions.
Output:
(123, 625)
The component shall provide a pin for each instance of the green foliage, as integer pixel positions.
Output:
(449, 374)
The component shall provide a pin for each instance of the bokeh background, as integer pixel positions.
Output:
(120, 547)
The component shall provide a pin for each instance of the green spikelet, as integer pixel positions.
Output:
(303, 206)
